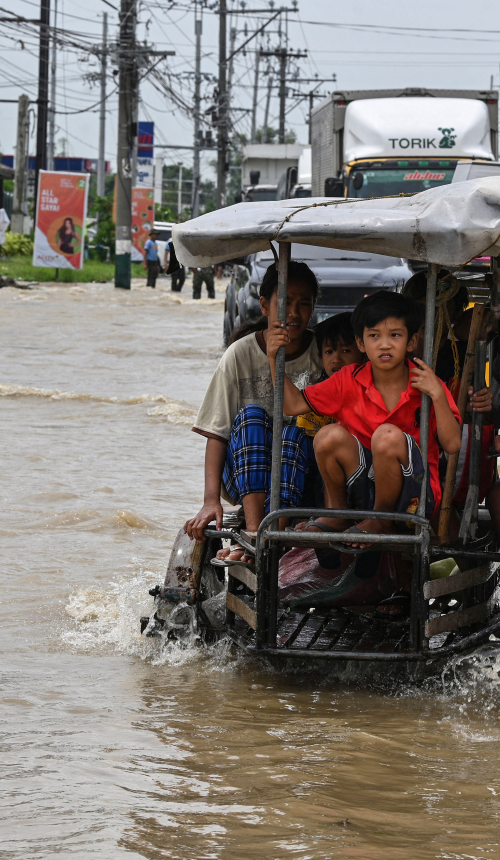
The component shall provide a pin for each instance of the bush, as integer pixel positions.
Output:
(17, 245)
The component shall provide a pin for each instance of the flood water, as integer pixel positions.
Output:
(114, 748)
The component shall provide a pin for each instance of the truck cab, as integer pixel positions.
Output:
(381, 143)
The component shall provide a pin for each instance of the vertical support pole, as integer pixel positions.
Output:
(420, 606)
(430, 311)
(18, 222)
(468, 523)
(52, 119)
(43, 92)
(126, 103)
(101, 162)
(195, 194)
(222, 108)
(284, 257)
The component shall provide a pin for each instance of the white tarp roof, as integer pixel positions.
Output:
(450, 225)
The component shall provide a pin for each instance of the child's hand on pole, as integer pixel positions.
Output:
(277, 336)
(481, 401)
(425, 380)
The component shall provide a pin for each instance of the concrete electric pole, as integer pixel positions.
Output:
(19, 218)
(195, 199)
(283, 55)
(52, 115)
(126, 103)
(43, 92)
(101, 163)
(222, 109)
(255, 97)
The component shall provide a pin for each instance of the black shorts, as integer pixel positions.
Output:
(361, 484)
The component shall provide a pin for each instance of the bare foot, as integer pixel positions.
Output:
(235, 553)
(376, 527)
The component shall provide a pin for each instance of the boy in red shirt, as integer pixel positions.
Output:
(371, 458)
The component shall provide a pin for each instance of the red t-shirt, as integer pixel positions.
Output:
(350, 396)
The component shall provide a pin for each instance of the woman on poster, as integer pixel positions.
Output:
(67, 234)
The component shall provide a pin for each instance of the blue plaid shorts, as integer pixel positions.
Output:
(248, 461)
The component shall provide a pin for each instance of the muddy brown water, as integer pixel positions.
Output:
(113, 747)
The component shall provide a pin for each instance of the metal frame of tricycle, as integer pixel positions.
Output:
(479, 585)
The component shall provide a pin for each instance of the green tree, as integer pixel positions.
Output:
(106, 231)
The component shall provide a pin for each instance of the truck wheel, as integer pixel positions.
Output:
(227, 329)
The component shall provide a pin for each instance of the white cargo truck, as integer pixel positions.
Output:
(375, 143)
(296, 181)
(262, 165)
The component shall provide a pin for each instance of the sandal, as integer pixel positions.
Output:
(356, 550)
(328, 558)
(401, 600)
(228, 562)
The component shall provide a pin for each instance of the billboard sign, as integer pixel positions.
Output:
(145, 144)
(143, 214)
(61, 211)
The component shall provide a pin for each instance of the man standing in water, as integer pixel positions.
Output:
(151, 260)
(205, 274)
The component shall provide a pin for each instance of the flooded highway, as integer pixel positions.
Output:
(114, 747)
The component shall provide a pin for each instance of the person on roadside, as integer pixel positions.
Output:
(202, 275)
(178, 276)
(151, 259)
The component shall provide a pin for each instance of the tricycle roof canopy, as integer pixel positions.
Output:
(449, 225)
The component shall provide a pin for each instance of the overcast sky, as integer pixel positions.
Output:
(450, 43)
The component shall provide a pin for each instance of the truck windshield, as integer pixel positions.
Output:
(383, 183)
(253, 195)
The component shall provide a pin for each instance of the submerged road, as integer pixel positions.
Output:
(112, 748)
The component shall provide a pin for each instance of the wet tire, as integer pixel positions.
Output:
(227, 330)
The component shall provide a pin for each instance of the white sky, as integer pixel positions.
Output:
(463, 57)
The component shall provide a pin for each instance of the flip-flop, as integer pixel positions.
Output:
(401, 600)
(328, 558)
(355, 550)
(227, 562)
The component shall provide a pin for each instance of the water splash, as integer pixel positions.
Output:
(108, 619)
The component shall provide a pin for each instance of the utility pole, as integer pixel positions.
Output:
(43, 92)
(283, 55)
(179, 192)
(101, 163)
(19, 202)
(270, 82)
(52, 120)
(222, 110)
(255, 97)
(312, 94)
(126, 103)
(195, 194)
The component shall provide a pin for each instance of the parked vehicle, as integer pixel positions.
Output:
(374, 143)
(344, 279)
(296, 181)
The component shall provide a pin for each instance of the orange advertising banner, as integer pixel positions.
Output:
(60, 219)
(143, 213)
